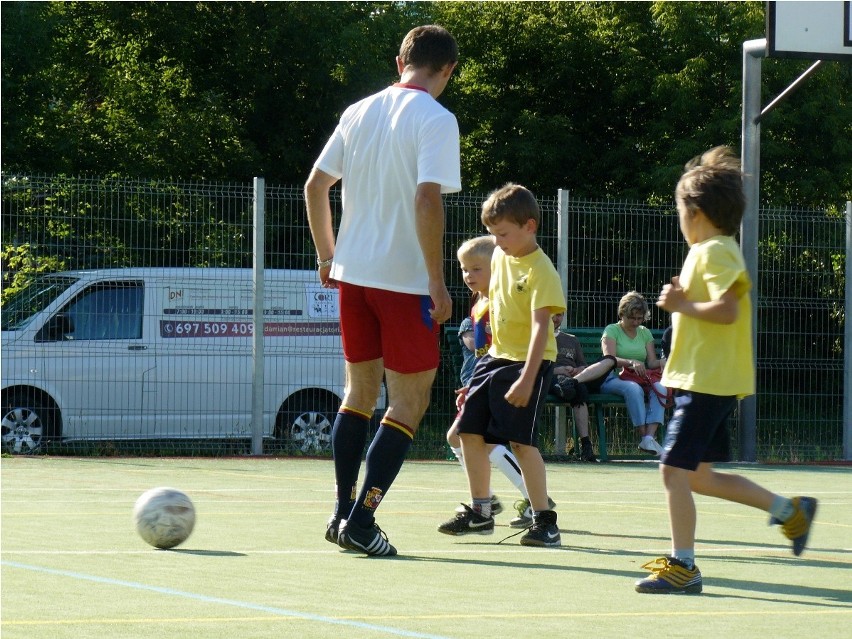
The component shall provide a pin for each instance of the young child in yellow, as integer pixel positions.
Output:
(511, 381)
(475, 337)
(710, 368)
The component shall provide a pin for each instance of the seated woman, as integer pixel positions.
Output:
(632, 345)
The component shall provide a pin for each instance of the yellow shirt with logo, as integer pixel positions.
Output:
(706, 357)
(519, 286)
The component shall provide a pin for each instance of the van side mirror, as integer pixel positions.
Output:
(58, 328)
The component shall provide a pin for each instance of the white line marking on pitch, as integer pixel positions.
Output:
(488, 549)
(282, 612)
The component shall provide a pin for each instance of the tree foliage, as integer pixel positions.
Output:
(603, 98)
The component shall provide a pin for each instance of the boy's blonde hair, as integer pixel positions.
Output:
(713, 183)
(482, 246)
(511, 202)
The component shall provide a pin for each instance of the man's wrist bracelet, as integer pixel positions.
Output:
(324, 263)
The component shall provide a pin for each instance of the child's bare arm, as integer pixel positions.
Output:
(722, 311)
(520, 392)
(467, 340)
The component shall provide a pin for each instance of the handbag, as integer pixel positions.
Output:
(647, 381)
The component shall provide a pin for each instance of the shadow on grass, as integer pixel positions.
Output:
(828, 595)
(204, 553)
(715, 542)
(792, 593)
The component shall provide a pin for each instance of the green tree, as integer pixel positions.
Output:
(611, 98)
(603, 98)
(195, 90)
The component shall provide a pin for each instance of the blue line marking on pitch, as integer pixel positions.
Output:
(283, 612)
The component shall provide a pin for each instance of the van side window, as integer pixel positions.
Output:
(111, 310)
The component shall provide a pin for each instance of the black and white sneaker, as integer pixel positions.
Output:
(370, 541)
(468, 522)
(332, 528)
(544, 532)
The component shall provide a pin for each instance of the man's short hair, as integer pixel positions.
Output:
(430, 46)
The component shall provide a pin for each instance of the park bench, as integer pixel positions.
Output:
(598, 403)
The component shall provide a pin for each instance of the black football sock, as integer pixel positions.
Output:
(348, 438)
(384, 459)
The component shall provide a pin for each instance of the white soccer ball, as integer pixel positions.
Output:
(164, 517)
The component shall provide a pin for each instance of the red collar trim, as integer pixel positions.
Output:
(405, 85)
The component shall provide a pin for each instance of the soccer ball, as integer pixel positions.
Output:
(164, 517)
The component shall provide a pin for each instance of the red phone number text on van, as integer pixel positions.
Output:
(169, 329)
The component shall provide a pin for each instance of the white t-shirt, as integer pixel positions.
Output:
(383, 147)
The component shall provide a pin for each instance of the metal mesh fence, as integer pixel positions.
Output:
(800, 335)
(191, 395)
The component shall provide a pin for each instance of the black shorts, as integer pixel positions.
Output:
(486, 411)
(488, 438)
(698, 430)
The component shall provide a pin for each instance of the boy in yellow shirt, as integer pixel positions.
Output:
(710, 367)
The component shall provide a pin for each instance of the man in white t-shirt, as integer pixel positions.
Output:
(396, 152)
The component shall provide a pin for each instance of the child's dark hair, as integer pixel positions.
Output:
(430, 47)
(511, 202)
(713, 182)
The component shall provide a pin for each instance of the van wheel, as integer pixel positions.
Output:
(27, 423)
(305, 424)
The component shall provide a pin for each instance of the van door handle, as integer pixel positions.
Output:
(135, 347)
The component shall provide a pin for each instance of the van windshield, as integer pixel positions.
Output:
(22, 306)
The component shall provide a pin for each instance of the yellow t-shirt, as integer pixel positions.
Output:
(519, 286)
(706, 357)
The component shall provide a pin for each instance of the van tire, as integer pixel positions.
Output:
(29, 420)
(305, 421)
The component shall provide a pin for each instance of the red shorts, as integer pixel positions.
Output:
(397, 327)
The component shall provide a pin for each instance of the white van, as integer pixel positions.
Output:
(166, 353)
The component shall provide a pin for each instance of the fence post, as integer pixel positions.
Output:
(560, 427)
(753, 51)
(847, 343)
(259, 197)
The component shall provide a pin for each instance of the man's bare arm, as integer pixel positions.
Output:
(429, 214)
(319, 217)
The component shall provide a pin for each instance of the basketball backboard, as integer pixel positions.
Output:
(820, 30)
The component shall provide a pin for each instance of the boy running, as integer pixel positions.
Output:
(710, 367)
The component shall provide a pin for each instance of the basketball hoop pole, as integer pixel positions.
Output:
(753, 52)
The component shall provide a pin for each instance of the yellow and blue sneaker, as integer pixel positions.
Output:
(670, 576)
(798, 526)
